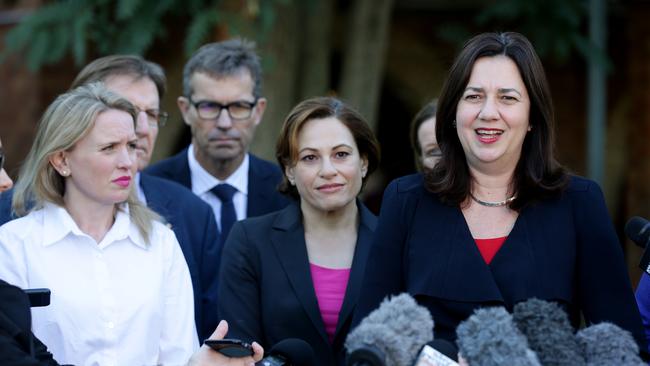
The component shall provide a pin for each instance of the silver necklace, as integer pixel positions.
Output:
(492, 204)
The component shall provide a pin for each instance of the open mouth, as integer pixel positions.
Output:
(488, 135)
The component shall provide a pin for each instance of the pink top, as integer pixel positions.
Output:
(489, 247)
(329, 285)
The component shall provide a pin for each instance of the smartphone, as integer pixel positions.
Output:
(230, 347)
(38, 296)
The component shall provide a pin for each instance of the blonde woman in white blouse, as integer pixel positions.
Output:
(121, 290)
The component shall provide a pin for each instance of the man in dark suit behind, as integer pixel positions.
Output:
(222, 104)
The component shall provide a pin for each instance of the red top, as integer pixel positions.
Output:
(489, 247)
(329, 285)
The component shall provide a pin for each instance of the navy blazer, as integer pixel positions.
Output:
(563, 250)
(192, 220)
(18, 346)
(263, 180)
(266, 291)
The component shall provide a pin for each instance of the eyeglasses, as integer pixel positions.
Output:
(155, 117)
(211, 110)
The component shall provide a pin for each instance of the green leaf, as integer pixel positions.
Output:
(126, 8)
(199, 28)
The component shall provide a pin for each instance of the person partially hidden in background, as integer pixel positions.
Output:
(423, 137)
(222, 103)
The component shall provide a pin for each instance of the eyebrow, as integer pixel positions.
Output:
(500, 90)
(314, 149)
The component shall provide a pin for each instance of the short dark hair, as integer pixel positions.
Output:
(427, 112)
(538, 175)
(286, 150)
(131, 65)
(225, 58)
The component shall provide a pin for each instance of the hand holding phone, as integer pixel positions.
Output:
(230, 347)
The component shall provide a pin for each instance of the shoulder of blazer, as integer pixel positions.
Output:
(368, 219)
(162, 191)
(284, 219)
(263, 168)
(175, 168)
(410, 183)
(580, 184)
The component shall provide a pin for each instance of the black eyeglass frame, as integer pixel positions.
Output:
(240, 103)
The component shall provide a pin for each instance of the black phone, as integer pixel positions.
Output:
(38, 296)
(230, 347)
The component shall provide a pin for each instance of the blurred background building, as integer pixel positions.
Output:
(387, 57)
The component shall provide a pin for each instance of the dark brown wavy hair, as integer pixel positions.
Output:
(286, 150)
(538, 174)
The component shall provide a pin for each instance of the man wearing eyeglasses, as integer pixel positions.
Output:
(222, 104)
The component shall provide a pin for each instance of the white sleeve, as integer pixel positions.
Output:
(13, 265)
(178, 339)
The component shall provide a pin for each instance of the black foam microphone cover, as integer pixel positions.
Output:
(638, 230)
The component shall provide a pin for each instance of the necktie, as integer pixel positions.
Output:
(228, 216)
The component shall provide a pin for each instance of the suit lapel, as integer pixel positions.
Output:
(182, 168)
(444, 260)
(367, 225)
(476, 277)
(288, 240)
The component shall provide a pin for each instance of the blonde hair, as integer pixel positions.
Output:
(66, 121)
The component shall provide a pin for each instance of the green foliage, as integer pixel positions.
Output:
(555, 27)
(127, 26)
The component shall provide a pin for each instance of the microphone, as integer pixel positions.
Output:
(638, 230)
(289, 352)
(391, 334)
(438, 352)
(608, 344)
(548, 331)
(490, 338)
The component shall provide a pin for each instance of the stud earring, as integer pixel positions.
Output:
(530, 128)
(453, 123)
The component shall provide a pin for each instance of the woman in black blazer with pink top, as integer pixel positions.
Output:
(297, 273)
(498, 220)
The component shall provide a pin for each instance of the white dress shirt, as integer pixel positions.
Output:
(119, 302)
(203, 182)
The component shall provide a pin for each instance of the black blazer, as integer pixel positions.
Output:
(263, 180)
(18, 346)
(192, 220)
(563, 250)
(266, 292)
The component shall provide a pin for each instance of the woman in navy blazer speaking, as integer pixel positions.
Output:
(297, 273)
(498, 220)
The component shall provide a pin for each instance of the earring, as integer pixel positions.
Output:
(292, 182)
(530, 128)
(453, 123)
(64, 173)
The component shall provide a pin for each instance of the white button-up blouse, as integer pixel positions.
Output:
(117, 302)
